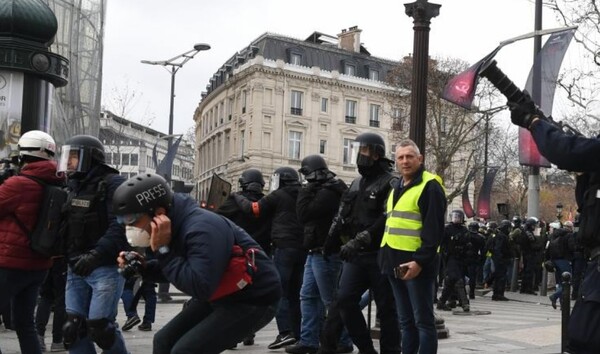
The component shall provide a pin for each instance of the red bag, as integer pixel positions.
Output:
(238, 274)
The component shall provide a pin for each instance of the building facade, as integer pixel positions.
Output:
(281, 99)
(129, 147)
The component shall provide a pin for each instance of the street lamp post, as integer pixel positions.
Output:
(175, 64)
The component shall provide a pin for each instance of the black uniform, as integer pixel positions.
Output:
(576, 153)
(501, 256)
(361, 206)
(454, 248)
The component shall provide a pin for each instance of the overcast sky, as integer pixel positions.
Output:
(159, 30)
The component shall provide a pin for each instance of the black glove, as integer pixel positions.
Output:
(350, 250)
(523, 113)
(86, 263)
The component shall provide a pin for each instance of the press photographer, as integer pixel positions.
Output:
(234, 284)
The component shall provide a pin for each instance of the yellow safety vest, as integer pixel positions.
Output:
(403, 225)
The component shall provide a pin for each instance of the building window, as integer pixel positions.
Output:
(351, 111)
(229, 108)
(296, 59)
(242, 142)
(109, 159)
(349, 157)
(322, 146)
(374, 75)
(244, 98)
(134, 159)
(296, 103)
(116, 158)
(125, 159)
(350, 69)
(374, 115)
(294, 143)
(324, 104)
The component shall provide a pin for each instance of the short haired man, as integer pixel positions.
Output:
(413, 231)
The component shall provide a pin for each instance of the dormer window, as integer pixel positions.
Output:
(374, 75)
(350, 69)
(295, 56)
(296, 59)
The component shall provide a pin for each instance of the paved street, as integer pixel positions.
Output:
(526, 325)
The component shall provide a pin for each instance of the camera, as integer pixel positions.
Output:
(133, 266)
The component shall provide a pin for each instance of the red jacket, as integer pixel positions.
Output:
(21, 197)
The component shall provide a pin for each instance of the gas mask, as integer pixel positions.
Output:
(137, 237)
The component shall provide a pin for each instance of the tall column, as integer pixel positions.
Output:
(422, 12)
(28, 70)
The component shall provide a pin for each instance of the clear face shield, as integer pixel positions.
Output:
(364, 154)
(456, 218)
(71, 160)
(274, 185)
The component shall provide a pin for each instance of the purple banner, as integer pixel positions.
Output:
(485, 193)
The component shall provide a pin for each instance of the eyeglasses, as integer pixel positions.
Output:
(128, 219)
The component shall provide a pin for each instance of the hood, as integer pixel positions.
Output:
(45, 170)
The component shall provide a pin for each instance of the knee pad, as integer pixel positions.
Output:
(102, 331)
(73, 329)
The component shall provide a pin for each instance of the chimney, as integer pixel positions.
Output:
(350, 39)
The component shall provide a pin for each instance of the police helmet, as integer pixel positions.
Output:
(516, 220)
(37, 144)
(373, 141)
(531, 222)
(505, 226)
(251, 175)
(88, 150)
(473, 226)
(457, 216)
(314, 169)
(143, 193)
(287, 174)
(492, 225)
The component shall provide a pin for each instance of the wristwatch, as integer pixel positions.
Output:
(162, 250)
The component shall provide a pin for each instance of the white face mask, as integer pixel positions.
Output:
(137, 237)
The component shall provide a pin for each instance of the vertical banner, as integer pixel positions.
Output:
(466, 201)
(11, 109)
(485, 193)
(550, 58)
(165, 167)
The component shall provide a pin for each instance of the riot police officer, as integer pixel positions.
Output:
(454, 250)
(474, 255)
(94, 239)
(362, 205)
(501, 257)
(531, 247)
(318, 202)
(289, 254)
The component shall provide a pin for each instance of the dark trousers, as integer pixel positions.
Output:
(290, 266)
(358, 276)
(499, 276)
(130, 300)
(206, 328)
(22, 286)
(584, 323)
(578, 264)
(454, 282)
(52, 293)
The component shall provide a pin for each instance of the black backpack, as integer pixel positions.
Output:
(46, 236)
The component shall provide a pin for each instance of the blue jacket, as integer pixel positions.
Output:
(201, 245)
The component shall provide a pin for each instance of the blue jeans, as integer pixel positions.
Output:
(414, 300)
(488, 268)
(211, 328)
(22, 286)
(317, 293)
(147, 292)
(561, 266)
(95, 297)
(290, 265)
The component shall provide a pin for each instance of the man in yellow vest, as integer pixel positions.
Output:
(414, 228)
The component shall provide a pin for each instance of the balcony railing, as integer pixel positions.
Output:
(374, 123)
(296, 111)
(350, 119)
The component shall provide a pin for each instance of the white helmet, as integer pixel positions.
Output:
(38, 144)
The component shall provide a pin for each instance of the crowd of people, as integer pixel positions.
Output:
(310, 253)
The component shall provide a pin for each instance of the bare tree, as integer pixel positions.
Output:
(454, 135)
